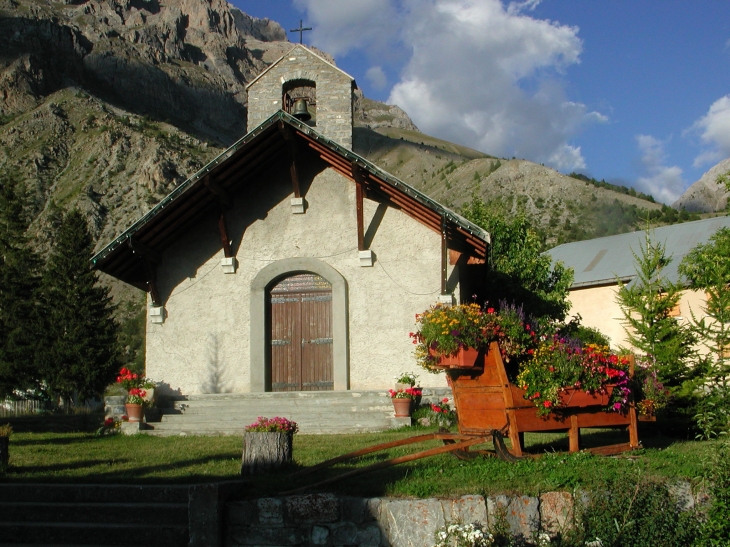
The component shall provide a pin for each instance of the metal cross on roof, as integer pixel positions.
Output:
(300, 30)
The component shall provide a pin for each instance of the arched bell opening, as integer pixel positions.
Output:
(299, 98)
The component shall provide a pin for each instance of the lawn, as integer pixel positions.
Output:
(85, 458)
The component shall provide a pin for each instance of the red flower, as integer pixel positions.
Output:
(547, 404)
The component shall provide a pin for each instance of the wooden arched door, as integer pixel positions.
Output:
(301, 334)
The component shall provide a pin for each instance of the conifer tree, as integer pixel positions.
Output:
(19, 284)
(646, 304)
(80, 354)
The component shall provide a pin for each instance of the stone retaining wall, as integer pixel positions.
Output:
(326, 520)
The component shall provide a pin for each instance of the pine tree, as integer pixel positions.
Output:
(646, 304)
(19, 284)
(80, 354)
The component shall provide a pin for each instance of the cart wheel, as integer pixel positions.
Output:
(501, 449)
(465, 454)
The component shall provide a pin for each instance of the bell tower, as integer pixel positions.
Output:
(309, 88)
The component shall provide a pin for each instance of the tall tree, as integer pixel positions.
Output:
(707, 267)
(19, 284)
(647, 303)
(519, 272)
(80, 354)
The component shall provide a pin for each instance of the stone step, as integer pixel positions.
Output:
(92, 493)
(99, 513)
(316, 412)
(214, 427)
(110, 533)
(288, 411)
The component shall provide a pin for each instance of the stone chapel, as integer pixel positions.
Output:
(290, 263)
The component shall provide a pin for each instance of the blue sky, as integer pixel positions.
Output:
(635, 92)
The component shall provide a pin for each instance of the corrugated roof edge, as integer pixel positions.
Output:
(349, 154)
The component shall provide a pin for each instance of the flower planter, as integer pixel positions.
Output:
(577, 398)
(464, 358)
(402, 407)
(265, 450)
(135, 413)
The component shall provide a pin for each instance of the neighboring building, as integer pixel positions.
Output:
(598, 263)
(290, 263)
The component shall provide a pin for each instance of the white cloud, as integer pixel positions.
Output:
(714, 129)
(488, 77)
(376, 77)
(665, 183)
(341, 26)
(476, 72)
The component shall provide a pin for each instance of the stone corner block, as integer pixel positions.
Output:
(366, 257)
(157, 315)
(298, 206)
(228, 264)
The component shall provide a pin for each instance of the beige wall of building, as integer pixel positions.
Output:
(204, 344)
(599, 309)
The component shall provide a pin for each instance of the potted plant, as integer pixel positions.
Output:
(402, 400)
(267, 444)
(5, 432)
(562, 373)
(457, 336)
(138, 395)
(405, 380)
(442, 414)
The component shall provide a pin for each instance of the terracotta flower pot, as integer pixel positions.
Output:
(572, 397)
(402, 407)
(135, 413)
(464, 358)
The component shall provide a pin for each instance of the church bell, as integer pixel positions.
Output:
(300, 111)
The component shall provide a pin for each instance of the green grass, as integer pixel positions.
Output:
(82, 457)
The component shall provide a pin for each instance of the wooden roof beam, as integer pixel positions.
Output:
(223, 196)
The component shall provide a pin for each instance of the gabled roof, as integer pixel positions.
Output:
(306, 50)
(128, 256)
(601, 261)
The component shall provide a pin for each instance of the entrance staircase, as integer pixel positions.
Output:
(99, 515)
(316, 412)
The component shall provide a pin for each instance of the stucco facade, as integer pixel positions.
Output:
(205, 343)
(599, 309)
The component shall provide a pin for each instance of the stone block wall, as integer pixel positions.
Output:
(326, 520)
(334, 90)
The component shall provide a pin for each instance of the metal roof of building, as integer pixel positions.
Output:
(601, 261)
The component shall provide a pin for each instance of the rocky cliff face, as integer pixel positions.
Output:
(186, 62)
(705, 195)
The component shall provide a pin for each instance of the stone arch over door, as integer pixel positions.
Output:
(268, 276)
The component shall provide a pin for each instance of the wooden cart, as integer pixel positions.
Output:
(486, 401)
(490, 408)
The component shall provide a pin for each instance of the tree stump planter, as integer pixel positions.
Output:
(263, 451)
(4, 453)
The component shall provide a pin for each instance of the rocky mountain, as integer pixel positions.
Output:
(705, 195)
(109, 104)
